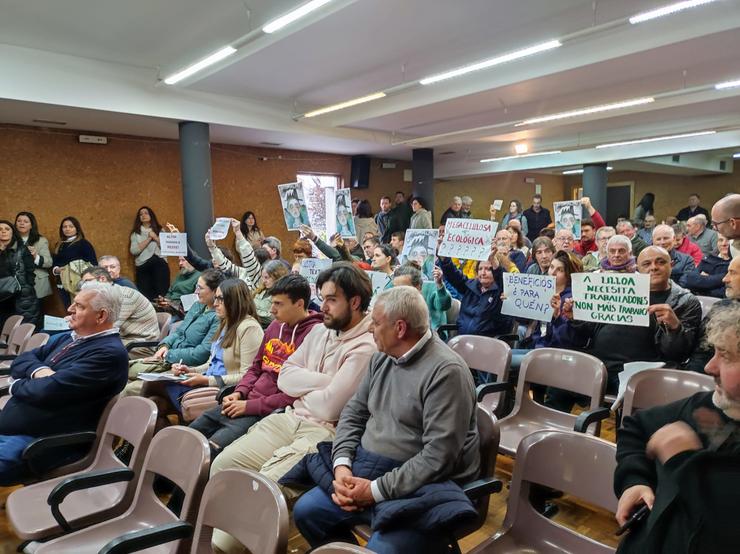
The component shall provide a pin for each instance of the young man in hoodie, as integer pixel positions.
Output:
(257, 394)
(323, 374)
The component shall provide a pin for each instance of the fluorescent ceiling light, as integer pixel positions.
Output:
(656, 139)
(667, 10)
(521, 156)
(347, 104)
(288, 18)
(210, 60)
(727, 84)
(736, 155)
(491, 62)
(586, 111)
(579, 171)
(521, 148)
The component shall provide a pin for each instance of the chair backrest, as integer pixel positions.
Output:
(164, 320)
(706, 303)
(10, 324)
(453, 312)
(341, 548)
(577, 464)
(19, 336)
(36, 340)
(564, 369)
(656, 387)
(485, 354)
(248, 506)
(182, 456)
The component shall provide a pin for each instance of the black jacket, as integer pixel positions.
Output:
(707, 285)
(17, 260)
(536, 221)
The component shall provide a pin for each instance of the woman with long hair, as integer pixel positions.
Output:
(71, 256)
(364, 221)
(152, 271)
(16, 272)
(250, 229)
(422, 218)
(515, 212)
(272, 270)
(643, 208)
(233, 347)
(28, 231)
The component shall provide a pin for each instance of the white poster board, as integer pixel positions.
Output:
(220, 229)
(187, 301)
(617, 298)
(568, 216)
(468, 239)
(311, 267)
(379, 280)
(294, 205)
(173, 244)
(420, 247)
(52, 323)
(528, 296)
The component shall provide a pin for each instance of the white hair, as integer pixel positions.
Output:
(605, 229)
(620, 239)
(109, 257)
(105, 297)
(467, 200)
(701, 219)
(663, 227)
(407, 304)
(456, 199)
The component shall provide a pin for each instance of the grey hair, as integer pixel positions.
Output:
(109, 257)
(411, 271)
(601, 230)
(701, 219)
(725, 318)
(662, 227)
(274, 243)
(106, 297)
(457, 199)
(407, 304)
(620, 239)
(467, 200)
(625, 224)
(679, 228)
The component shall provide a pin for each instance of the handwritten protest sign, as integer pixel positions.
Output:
(379, 281)
(468, 239)
(568, 216)
(528, 296)
(220, 229)
(173, 244)
(619, 298)
(497, 204)
(311, 267)
(420, 246)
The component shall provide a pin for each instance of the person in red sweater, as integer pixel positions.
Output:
(684, 244)
(589, 225)
(257, 394)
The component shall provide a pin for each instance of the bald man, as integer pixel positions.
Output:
(702, 353)
(726, 216)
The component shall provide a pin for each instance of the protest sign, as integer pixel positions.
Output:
(220, 229)
(173, 244)
(497, 204)
(619, 298)
(311, 267)
(420, 247)
(468, 239)
(294, 205)
(343, 211)
(187, 301)
(528, 296)
(52, 323)
(379, 280)
(568, 216)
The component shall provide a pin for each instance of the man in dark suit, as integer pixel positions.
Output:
(63, 386)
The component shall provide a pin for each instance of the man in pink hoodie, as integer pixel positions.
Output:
(257, 394)
(323, 374)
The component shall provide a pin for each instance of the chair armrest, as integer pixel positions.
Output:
(447, 327)
(82, 482)
(47, 445)
(482, 487)
(224, 392)
(490, 388)
(147, 538)
(141, 344)
(4, 390)
(3, 344)
(587, 418)
(5, 357)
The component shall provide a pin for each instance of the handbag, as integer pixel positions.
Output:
(193, 403)
(10, 286)
(71, 275)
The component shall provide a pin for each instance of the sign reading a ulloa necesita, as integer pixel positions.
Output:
(618, 298)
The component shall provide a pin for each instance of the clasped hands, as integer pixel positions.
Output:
(351, 493)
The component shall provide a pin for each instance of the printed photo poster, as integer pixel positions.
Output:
(220, 229)
(343, 211)
(568, 216)
(379, 281)
(421, 247)
(528, 296)
(468, 239)
(294, 205)
(618, 298)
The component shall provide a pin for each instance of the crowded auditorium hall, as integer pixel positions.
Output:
(296, 276)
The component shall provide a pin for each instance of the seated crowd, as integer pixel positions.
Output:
(349, 398)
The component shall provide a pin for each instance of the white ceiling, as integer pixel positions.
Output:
(97, 65)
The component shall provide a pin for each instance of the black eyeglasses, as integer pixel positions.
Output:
(715, 224)
(218, 299)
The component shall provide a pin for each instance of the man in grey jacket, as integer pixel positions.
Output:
(416, 405)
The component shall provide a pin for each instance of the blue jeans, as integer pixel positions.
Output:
(175, 391)
(11, 464)
(320, 521)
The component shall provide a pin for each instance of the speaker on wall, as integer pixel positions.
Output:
(360, 174)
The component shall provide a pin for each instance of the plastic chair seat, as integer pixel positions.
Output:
(528, 541)
(514, 428)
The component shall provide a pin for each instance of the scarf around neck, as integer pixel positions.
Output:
(628, 267)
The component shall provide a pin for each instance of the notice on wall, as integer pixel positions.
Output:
(528, 296)
(568, 216)
(618, 298)
(173, 244)
(468, 239)
(220, 229)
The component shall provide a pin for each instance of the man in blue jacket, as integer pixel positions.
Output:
(63, 386)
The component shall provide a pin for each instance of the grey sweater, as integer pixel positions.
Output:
(421, 412)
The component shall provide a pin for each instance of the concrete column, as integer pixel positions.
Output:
(422, 172)
(594, 185)
(197, 186)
